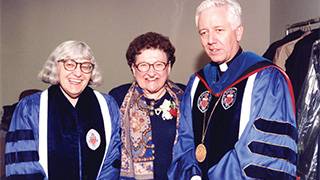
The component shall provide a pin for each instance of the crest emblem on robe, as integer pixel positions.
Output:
(204, 101)
(229, 97)
(93, 139)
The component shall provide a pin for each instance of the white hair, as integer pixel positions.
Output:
(69, 49)
(234, 10)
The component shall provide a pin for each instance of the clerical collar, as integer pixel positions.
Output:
(224, 66)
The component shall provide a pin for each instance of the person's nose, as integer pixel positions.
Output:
(212, 38)
(151, 70)
(77, 71)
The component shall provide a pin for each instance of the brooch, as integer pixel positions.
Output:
(168, 109)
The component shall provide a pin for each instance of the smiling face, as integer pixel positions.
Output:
(219, 40)
(73, 82)
(152, 82)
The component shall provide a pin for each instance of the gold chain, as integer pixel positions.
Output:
(204, 129)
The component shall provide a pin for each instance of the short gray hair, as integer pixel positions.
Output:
(69, 49)
(234, 10)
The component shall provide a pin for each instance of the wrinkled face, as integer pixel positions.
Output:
(73, 82)
(151, 81)
(219, 40)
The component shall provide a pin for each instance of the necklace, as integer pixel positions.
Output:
(201, 150)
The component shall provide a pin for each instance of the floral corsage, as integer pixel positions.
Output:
(168, 109)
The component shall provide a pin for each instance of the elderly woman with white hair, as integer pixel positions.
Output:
(68, 131)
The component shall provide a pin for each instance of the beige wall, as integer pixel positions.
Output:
(32, 29)
(256, 19)
(286, 12)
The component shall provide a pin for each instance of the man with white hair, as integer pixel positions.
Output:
(237, 115)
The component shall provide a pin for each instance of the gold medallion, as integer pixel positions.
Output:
(201, 153)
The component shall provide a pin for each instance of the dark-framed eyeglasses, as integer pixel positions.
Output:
(158, 66)
(71, 65)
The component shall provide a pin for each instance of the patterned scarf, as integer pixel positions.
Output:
(136, 135)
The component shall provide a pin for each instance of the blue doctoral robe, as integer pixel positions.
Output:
(266, 144)
(27, 137)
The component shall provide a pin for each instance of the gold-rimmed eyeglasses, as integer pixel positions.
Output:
(158, 66)
(71, 65)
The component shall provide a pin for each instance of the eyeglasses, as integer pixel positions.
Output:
(71, 65)
(158, 66)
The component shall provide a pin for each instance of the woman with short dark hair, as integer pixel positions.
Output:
(149, 108)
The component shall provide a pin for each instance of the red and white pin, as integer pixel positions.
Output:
(204, 101)
(93, 139)
(229, 98)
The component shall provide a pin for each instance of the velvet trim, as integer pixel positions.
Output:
(279, 128)
(22, 156)
(259, 172)
(67, 130)
(19, 135)
(273, 150)
(36, 176)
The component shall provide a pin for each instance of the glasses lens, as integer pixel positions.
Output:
(143, 67)
(70, 65)
(86, 67)
(159, 66)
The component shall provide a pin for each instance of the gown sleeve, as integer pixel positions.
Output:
(111, 165)
(22, 141)
(184, 165)
(267, 147)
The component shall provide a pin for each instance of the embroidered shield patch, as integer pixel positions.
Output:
(93, 139)
(204, 101)
(229, 97)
